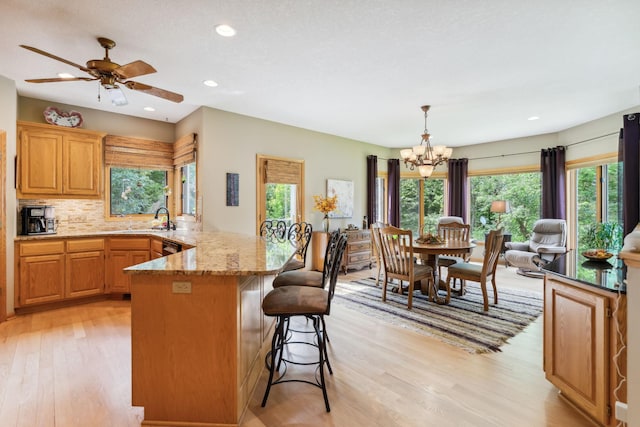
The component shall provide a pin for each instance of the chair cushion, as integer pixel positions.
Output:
(448, 260)
(299, 278)
(466, 269)
(296, 300)
(421, 271)
(293, 264)
(522, 259)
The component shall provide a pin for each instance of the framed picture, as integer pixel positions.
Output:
(233, 189)
(344, 191)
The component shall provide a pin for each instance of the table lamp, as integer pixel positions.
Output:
(500, 207)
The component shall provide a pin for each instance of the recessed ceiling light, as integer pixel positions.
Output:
(149, 109)
(210, 83)
(533, 118)
(225, 30)
(65, 75)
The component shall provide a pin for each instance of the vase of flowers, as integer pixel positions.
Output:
(325, 205)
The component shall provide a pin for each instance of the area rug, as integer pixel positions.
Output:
(462, 323)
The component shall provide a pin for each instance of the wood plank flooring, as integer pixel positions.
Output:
(72, 367)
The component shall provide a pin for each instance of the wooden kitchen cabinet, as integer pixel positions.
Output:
(124, 252)
(580, 342)
(85, 274)
(359, 250)
(156, 248)
(40, 272)
(58, 162)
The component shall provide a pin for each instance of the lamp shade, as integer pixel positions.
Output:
(500, 206)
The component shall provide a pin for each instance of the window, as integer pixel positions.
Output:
(281, 202)
(421, 203)
(279, 189)
(137, 191)
(521, 190)
(188, 181)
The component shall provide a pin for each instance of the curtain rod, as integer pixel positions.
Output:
(538, 151)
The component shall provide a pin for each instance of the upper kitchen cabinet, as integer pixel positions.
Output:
(58, 162)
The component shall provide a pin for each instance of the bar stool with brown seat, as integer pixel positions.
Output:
(311, 302)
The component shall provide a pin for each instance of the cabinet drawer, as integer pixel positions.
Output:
(128, 243)
(359, 257)
(42, 248)
(359, 246)
(85, 245)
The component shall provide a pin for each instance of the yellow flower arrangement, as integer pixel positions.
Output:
(325, 204)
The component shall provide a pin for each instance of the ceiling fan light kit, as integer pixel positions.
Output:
(424, 156)
(110, 75)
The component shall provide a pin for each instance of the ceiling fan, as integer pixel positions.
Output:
(110, 75)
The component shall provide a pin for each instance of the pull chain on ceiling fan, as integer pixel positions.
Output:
(110, 74)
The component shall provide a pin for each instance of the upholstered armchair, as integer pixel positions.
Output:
(547, 241)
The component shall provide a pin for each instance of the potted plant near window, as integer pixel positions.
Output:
(601, 240)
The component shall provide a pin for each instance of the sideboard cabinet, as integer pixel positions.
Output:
(359, 250)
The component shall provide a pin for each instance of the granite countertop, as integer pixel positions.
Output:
(212, 252)
(607, 275)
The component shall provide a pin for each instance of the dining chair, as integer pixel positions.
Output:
(399, 262)
(452, 231)
(273, 230)
(479, 272)
(314, 303)
(377, 249)
(299, 235)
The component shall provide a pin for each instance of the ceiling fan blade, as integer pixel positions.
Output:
(133, 69)
(171, 96)
(117, 96)
(57, 58)
(60, 79)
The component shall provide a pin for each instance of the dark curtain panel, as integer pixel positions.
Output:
(393, 192)
(552, 166)
(630, 136)
(458, 187)
(372, 173)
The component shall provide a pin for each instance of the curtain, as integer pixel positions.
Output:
(552, 166)
(458, 188)
(629, 142)
(393, 192)
(372, 173)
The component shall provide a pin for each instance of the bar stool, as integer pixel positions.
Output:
(311, 302)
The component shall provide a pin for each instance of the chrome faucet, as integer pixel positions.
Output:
(168, 216)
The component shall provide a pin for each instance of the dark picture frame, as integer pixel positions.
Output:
(233, 189)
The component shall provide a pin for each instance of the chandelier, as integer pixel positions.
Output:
(424, 156)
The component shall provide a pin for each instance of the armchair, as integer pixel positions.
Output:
(547, 241)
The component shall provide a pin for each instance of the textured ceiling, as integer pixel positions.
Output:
(360, 69)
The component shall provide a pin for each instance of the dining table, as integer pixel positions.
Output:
(430, 252)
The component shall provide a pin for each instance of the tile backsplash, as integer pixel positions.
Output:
(80, 215)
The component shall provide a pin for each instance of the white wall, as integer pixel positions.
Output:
(229, 142)
(8, 108)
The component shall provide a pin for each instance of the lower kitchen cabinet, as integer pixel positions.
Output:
(56, 270)
(40, 273)
(581, 339)
(85, 267)
(124, 252)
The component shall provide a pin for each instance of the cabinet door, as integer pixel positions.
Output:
(41, 279)
(81, 162)
(40, 157)
(576, 343)
(118, 280)
(85, 274)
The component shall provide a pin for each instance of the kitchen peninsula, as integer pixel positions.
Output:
(197, 329)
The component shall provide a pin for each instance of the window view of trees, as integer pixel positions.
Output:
(137, 191)
(598, 198)
(413, 192)
(281, 202)
(521, 190)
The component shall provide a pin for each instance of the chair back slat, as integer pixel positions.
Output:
(397, 251)
(274, 230)
(299, 236)
(453, 231)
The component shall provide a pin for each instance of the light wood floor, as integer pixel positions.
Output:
(72, 367)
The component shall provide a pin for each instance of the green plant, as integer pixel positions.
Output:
(602, 235)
